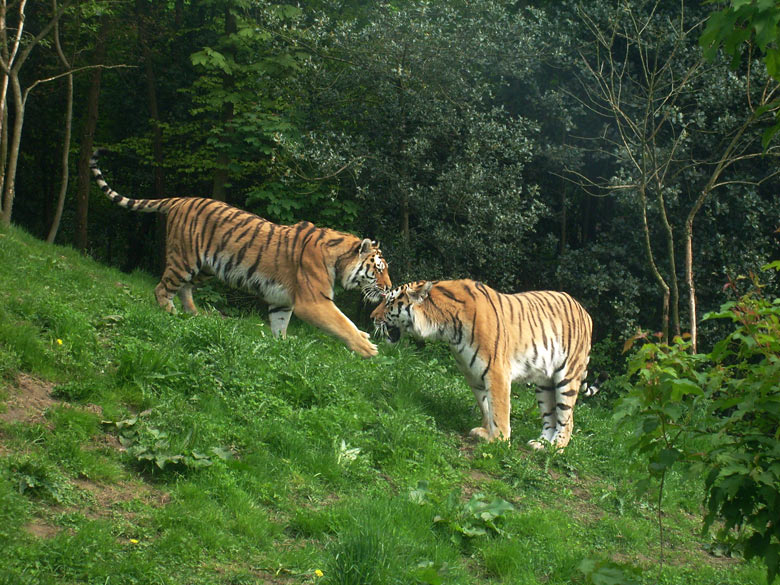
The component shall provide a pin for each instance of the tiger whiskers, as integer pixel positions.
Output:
(380, 330)
(373, 293)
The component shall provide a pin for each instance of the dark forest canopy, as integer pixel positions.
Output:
(557, 145)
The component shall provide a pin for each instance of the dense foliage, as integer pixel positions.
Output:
(472, 139)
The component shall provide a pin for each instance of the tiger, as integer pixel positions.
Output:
(292, 267)
(540, 337)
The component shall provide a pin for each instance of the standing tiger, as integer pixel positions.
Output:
(294, 268)
(540, 337)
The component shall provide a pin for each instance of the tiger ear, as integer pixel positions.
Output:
(420, 293)
(366, 247)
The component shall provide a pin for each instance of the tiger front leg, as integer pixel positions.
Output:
(328, 317)
(185, 292)
(493, 397)
(185, 296)
(279, 316)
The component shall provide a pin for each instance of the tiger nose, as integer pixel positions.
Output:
(378, 313)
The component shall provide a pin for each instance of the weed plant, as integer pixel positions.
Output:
(176, 449)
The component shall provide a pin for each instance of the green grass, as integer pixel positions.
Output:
(174, 449)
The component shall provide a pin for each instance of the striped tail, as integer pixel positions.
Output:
(147, 205)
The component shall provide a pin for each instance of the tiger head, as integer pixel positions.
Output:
(399, 311)
(369, 272)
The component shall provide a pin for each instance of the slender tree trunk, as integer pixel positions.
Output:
(178, 12)
(157, 138)
(3, 149)
(563, 220)
(689, 271)
(13, 149)
(3, 100)
(674, 290)
(654, 268)
(405, 234)
(55, 224)
(157, 148)
(221, 176)
(87, 140)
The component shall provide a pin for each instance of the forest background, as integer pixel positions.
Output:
(596, 147)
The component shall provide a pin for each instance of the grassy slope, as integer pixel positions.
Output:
(328, 451)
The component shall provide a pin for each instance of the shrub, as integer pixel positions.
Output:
(719, 413)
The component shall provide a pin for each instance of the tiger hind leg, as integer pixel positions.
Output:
(545, 398)
(279, 316)
(164, 296)
(566, 396)
(174, 283)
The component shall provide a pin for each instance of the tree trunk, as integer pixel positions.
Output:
(157, 141)
(674, 290)
(562, 250)
(12, 63)
(3, 149)
(55, 224)
(3, 100)
(13, 150)
(405, 234)
(689, 280)
(87, 140)
(654, 268)
(221, 176)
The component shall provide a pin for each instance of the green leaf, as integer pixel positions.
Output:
(427, 573)
(606, 573)
(419, 495)
(769, 134)
(683, 387)
(223, 454)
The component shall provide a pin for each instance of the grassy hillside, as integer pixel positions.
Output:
(140, 447)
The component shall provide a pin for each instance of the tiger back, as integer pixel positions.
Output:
(294, 268)
(540, 337)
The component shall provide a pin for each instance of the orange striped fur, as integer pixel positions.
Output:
(293, 267)
(542, 338)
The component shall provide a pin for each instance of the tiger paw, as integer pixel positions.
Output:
(365, 348)
(538, 444)
(480, 433)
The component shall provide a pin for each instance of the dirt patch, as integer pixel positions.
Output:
(28, 400)
(107, 496)
(476, 483)
(41, 529)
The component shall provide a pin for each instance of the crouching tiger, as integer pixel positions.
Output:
(294, 268)
(540, 337)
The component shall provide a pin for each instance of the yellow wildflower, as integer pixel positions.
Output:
(318, 573)
(133, 541)
(59, 341)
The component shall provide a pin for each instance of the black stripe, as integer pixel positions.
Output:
(474, 357)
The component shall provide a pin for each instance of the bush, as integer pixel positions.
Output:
(719, 414)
